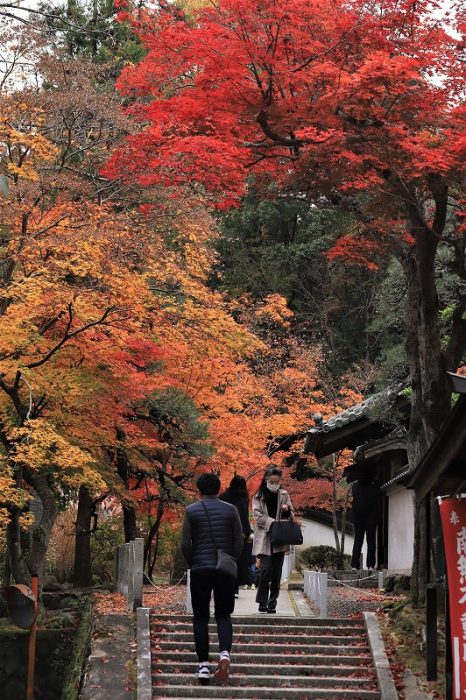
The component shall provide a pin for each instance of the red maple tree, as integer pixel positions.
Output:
(357, 103)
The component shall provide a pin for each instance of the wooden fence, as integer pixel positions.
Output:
(129, 566)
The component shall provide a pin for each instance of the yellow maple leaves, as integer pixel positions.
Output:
(10, 494)
(39, 447)
(22, 146)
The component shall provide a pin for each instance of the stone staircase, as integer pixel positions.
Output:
(280, 657)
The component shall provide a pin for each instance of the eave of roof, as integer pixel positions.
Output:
(428, 473)
(395, 441)
(348, 422)
(400, 478)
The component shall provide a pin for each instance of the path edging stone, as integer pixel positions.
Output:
(382, 667)
(107, 674)
(144, 671)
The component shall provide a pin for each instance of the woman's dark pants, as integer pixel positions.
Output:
(269, 580)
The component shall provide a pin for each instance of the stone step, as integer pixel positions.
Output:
(328, 669)
(327, 649)
(240, 638)
(356, 660)
(264, 681)
(274, 658)
(295, 585)
(279, 629)
(268, 620)
(259, 693)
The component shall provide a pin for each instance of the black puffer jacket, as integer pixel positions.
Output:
(241, 503)
(196, 540)
(365, 502)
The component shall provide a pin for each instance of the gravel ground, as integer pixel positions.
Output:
(350, 602)
(345, 602)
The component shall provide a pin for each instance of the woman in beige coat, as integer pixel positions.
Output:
(270, 503)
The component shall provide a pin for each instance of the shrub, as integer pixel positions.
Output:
(322, 557)
(397, 583)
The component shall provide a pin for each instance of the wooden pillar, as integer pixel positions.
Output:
(428, 548)
(448, 654)
(431, 631)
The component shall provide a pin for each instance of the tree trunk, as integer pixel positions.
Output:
(129, 523)
(129, 512)
(82, 575)
(17, 563)
(430, 401)
(150, 563)
(22, 562)
(334, 510)
(343, 526)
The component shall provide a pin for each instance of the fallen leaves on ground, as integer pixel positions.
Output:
(165, 598)
(106, 603)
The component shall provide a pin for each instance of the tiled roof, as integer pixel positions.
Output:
(360, 410)
(403, 474)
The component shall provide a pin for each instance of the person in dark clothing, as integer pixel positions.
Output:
(201, 554)
(270, 503)
(364, 514)
(237, 495)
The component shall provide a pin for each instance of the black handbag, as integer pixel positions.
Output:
(285, 532)
(226, 563)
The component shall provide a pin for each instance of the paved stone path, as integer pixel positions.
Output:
(107, 669)
(290, 604)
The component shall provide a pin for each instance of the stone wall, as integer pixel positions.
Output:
(53, 653)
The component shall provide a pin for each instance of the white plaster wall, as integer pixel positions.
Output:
(316, 533)
(400, 529)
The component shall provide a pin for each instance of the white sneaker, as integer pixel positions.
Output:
(222, 673)
(203, 673)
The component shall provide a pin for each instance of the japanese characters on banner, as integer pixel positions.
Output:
(453, 515)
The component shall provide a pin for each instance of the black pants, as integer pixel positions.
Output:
(269, 580)
(224, 587)
(359, 531)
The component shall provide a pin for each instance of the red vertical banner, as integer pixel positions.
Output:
(453, 515)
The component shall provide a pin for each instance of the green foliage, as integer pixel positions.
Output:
(178, 419)
(104, 540)
(278, 246)
(387, 325)
(168, 544)
(91, 29)
(321, 557)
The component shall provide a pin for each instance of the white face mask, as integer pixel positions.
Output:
(273, 487)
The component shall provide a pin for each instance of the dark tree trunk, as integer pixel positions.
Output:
(430, 393)
(338, 545)
(26, 559)
(16, 559)
(82, 575)
(129, 512)
(16, 556)
(153, 532)
(129, 523)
